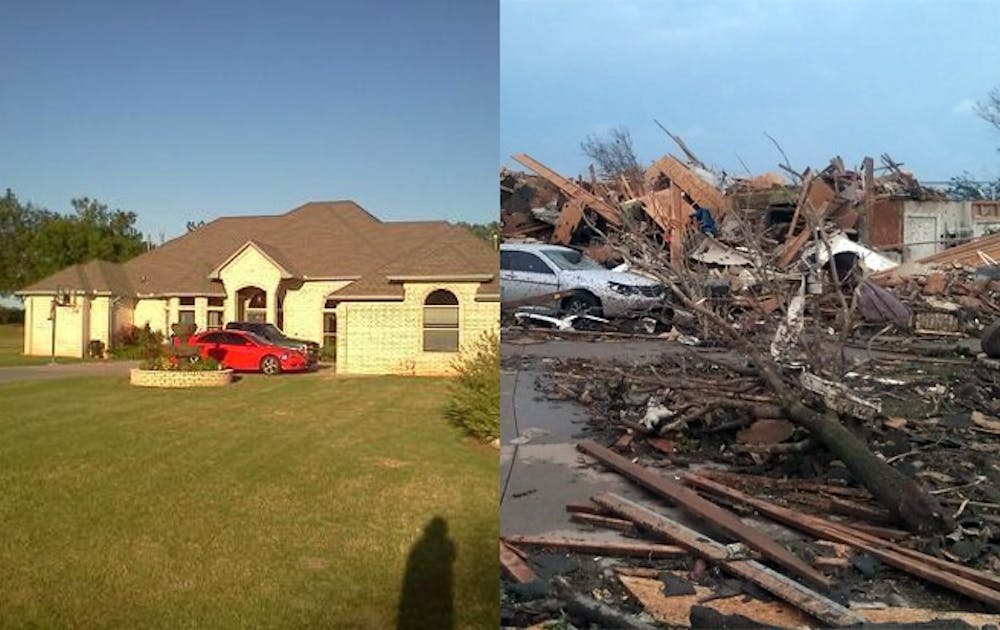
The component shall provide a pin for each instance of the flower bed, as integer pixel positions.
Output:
(180, 378)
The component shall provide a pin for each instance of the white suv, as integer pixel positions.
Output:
(580, 284)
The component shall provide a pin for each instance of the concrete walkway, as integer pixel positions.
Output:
(66, 370)
(546, 473)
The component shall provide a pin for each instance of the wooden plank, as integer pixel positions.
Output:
(601, 547)
(596, 520)
(571, 189)
(677, 220)
(702, 508)
(817, 605)
(514, 565)
(569, 219)
(703, 193)
(978, 585)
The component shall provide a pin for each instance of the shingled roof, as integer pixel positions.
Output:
(331, 239)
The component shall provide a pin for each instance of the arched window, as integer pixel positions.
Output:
(441, 322)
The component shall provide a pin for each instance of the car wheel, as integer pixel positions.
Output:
(270, 365)
(582, 304)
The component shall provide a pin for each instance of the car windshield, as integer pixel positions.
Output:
(571, 260)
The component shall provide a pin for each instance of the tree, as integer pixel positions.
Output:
(485, 231)
(989, 109)
(965, 188)
(35, 242)
(613, 154)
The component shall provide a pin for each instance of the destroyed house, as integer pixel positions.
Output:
(379, 296)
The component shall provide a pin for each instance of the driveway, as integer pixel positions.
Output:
(66, 370)
(538, 478)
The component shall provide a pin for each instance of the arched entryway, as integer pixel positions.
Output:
(251, 304)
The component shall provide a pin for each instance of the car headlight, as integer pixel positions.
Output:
(624, 289)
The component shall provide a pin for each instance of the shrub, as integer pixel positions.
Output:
(175, 363)
(11, 315)
(474, 401)
(133, 342)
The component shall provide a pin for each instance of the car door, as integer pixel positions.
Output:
(525, 275)
(241, 353)
(210, 345)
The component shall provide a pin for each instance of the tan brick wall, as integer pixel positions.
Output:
(100, 320)
(166, 378)
(387, 337)
(152, 311)
(303, 308)
(250, 269)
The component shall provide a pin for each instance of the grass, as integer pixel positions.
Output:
(274, 502)
(12, 346)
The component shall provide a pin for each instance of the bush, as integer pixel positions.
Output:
(175, 363)
(11, 315)
(474, 403)
(133, 342)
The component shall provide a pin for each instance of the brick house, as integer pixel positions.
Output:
(389, 297)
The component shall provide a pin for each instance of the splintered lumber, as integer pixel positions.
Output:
(978, 585)
(692, 502)
(571, 189)
(595, 520)
(703, 193)
(817, 605)
(601, 547)
(814, 204)
(514, 565)
(967, 253)
(569, 219)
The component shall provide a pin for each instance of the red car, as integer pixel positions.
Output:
(245, 351)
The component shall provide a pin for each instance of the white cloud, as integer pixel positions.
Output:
(964, 106)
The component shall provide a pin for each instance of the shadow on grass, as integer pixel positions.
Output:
(427, 600)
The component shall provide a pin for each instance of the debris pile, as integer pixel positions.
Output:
(833, 394)
(703, 436)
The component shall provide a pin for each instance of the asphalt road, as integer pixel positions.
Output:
(66, 370)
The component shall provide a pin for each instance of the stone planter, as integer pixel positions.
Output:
(178, 378)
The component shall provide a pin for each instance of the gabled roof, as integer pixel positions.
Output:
(272, 254)
(95, 276)
(316, 240)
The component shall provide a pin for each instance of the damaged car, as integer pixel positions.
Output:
(575, 283)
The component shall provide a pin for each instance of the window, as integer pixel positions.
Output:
(441, 322)
(215, 310)
(523, 261)
(214, 338)
(571, 260)
(185, 315)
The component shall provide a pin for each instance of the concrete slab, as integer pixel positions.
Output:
(546, 473)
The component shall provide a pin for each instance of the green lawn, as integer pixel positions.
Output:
(275, 502)
(12, 345)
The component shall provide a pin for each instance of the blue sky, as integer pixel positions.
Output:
(193, 110)
(824, 78)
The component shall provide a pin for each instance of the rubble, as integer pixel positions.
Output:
(834, 395)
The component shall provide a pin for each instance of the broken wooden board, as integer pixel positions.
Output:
(514, 565)
(813, 603)
(676, 610)
(601, 547)
(571, 189)
(978, 585)
(692, 502)
(703, 193)
(569, 219)
(895, 614)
